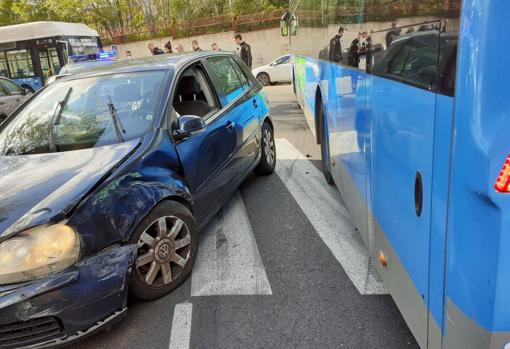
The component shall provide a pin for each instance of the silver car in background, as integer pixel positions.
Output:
(11, 96)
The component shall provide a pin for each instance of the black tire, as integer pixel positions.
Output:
(268, 151)
(166, 212)
(264, 79)
(326, 167)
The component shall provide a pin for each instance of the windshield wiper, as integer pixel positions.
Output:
(119, 129)
(56, 118)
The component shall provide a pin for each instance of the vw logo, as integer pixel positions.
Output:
(164, 251)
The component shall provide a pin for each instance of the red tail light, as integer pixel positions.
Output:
(503, 182)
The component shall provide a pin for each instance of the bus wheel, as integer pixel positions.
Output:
(326, 166)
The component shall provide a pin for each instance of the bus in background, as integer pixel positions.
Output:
(32, 52)
(408, 102)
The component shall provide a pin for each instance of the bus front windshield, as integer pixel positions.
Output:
(84, 113)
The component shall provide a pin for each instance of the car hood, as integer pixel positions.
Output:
(37, 189)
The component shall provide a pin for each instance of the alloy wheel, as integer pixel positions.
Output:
(163, 251)
(269, 147)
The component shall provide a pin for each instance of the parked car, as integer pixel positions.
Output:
(11, 96)
(280, 70)
(106, 178)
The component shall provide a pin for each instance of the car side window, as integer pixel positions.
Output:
(229, 76)
(11, 87)
(415, 63)
(194, 95)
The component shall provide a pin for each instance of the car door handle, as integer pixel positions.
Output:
(255, 104)
(230, 126)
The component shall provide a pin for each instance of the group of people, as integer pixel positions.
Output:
(358, 49)
(243, 49)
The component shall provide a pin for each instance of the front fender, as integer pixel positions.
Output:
(114, 210)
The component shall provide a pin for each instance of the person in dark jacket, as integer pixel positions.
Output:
(354, 52)
(168, 47)
(335, 47)
(244, 50)
(154, 49)
(194, 46)
(392, 34)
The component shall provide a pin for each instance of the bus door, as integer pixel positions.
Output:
(403, 103)
(50, 62)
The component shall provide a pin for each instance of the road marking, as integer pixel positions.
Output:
(181, 326)
(329, 217)
(228, 261)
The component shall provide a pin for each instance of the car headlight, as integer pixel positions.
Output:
(38, 252)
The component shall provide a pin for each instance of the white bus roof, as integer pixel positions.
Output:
(38, 30)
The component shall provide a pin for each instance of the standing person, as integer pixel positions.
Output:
(168, 47)
(392, 34)
(194, 46)
(129, 55)
(335, 46)
(244, 50)
(354, 52)
(179, 48)
(154, 49)
(215, 47)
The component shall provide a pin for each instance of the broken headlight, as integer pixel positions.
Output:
(38, 252)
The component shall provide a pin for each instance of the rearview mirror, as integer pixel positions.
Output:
(188, 125)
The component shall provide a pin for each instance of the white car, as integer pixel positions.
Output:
(280, 70)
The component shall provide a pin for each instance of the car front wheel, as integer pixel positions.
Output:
(167, 246)
(268, 151)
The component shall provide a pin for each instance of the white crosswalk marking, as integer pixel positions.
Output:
(181, 326)
(228, 261)
(324, 210)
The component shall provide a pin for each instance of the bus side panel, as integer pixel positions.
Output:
(348, 130)
(306, 83)
(478, 260)
(442, 145)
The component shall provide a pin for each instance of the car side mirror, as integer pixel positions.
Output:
(188, 125)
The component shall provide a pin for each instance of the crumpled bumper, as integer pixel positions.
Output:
(69, 305)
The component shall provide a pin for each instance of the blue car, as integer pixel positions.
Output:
(106, 180)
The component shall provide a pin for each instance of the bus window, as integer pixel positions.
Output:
(4, 71)
(20, 64)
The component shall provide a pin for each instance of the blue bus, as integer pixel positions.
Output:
(408, 100)
(30, 53)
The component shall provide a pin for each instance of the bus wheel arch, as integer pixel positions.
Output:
(321, 130)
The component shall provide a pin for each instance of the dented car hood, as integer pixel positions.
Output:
(37, 189)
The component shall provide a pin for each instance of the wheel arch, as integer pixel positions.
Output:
(319, 119)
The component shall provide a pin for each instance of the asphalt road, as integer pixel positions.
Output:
(271, 271)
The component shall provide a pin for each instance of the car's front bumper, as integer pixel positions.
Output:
(69, 305)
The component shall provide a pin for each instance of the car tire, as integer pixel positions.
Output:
(267, 162)
(326, 167)
(264, 79)
(167, 246)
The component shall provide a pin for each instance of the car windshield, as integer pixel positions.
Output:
(84, 113)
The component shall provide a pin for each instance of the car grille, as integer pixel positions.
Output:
(29, 332)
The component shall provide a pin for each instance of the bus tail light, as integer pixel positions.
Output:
(503, 182)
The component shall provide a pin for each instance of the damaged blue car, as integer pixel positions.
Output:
(106, 178)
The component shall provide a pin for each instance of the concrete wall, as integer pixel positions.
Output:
(266, 45)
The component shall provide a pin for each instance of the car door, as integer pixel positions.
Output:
(403, 104)
(13, 95)
(281, 69)
(242, 106)
(206, 157)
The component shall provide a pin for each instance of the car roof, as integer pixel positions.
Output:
(159, 62)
